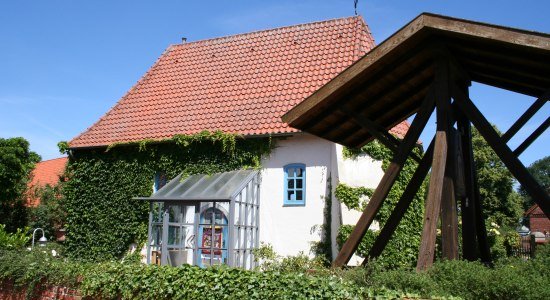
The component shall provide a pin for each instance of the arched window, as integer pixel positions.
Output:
(295, 185)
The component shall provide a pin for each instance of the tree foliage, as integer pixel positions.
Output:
(50, 214)
(16, 163)
(501, 204)
(540, 170)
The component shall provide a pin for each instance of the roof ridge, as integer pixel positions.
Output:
(231, 36)
(51, 159)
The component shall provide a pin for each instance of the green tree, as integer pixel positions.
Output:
(501, 204)
(540, 169)
(50, 214)
(16, 163)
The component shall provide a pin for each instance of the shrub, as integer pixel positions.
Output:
(12, 241)
(509, 279)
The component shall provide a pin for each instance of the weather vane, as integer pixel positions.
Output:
(355, 6)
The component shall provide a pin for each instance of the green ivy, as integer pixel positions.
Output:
(402, 249)
(102, 219)
(323, 248)
(353, 197)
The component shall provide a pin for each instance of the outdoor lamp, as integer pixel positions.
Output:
(42, 241)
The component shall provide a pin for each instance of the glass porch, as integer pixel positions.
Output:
(205, 220)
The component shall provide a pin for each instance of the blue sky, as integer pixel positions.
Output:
(63, 64)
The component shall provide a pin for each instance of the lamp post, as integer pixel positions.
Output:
(42, 241)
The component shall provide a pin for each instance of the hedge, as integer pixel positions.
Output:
(509, 279)
(130, 280)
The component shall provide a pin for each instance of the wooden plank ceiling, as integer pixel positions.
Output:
(388, 84)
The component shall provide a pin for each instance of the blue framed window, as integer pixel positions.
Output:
(295, 185)
(160, 180)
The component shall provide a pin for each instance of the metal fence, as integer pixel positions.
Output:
(525, 248)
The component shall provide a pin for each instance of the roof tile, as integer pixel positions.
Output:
(240, 84)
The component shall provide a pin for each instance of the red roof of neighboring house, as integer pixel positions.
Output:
(533, 210)
(239, 84)
(46, 172)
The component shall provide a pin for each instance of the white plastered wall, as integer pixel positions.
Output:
(361, 171)
(289, 228)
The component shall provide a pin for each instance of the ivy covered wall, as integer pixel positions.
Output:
(102, 218)
(402, 249)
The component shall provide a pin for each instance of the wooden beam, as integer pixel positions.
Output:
(377, 131)
(449, 221)
(467, 206)
(437, 178)
(387, 181)
(435, 190)
(403, 204)
(433, 203)
(530, 112)
(533, 188)
(529, 140)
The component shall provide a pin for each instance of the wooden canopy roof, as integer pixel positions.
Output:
(389, 83)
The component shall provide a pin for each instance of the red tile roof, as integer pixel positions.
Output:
(45, 172)
(238, 84)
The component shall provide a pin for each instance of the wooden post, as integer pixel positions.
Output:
(433, 203)
(449, 222)
(403, 204)
(387, 181)
(435, 190)
(467, 206)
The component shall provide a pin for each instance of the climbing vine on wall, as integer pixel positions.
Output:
(402, 249)
(103, 219)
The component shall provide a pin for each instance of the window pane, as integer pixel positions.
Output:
(174, 212)
(299, 183)
(290, 172)
(174, 236)
(290, 183)
(156, 235)
(299, 172)
(299, 196)
(158, 211)
(291, 196)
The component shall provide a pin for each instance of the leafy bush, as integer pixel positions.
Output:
(115, 280)
(509, 279)
(269, 261)
(12, 241)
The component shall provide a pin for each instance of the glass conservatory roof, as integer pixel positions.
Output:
(201, 187)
